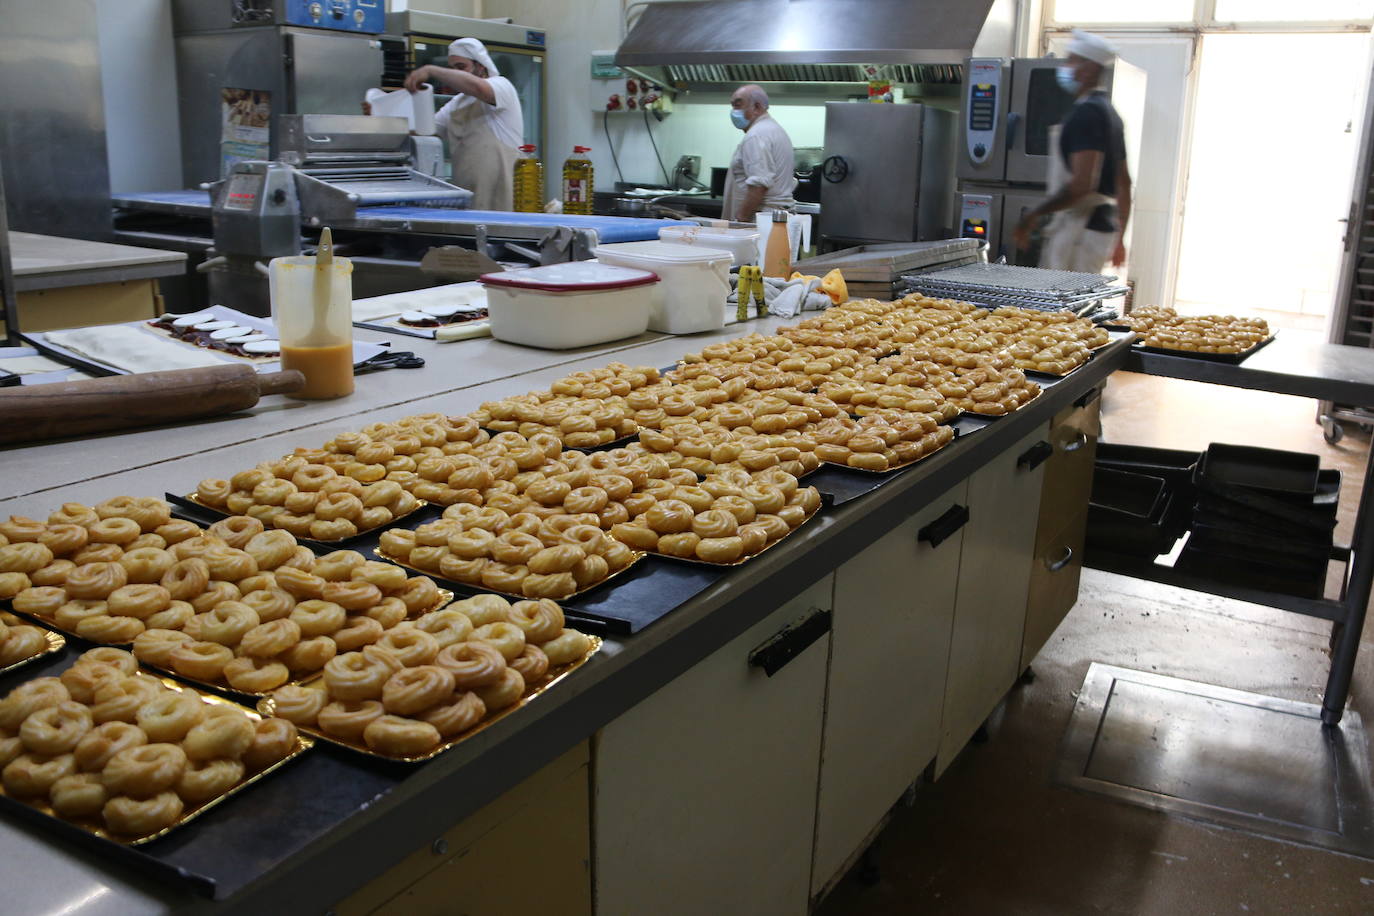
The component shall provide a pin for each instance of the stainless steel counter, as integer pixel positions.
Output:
(50, 262)
(435, 796)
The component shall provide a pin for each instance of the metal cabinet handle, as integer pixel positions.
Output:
(1076, 442)
(943, 527)
(1035, 456)
(789, 642)
(1060, 563)
(1013, 123)
(1092, 394)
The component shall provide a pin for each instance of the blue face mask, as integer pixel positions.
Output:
(738, 119)
(1064, 76)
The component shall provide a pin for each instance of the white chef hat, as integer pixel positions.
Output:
(473, 49)
(1094, 47)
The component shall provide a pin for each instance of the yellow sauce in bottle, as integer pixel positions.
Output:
(328, 371)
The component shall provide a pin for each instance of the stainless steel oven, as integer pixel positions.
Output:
(990, 214)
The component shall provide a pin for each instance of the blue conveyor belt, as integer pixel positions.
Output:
(608, 228)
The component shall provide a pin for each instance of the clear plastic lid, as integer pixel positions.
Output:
(571, 277)
(663, 252)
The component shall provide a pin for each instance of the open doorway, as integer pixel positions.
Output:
(1275, 135)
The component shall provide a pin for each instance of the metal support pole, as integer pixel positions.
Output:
(7, 296)
(1356, 597)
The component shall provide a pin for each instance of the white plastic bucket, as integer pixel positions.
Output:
(742, 243)
(695, 282)
(576, 304)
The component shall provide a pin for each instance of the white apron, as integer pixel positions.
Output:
(481, 163)
(1069, 243)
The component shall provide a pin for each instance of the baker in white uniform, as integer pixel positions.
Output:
(483, 123)
(761, 173)
(1089, 182)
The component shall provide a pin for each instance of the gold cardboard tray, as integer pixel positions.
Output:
(445, 598)
(987, 416)
(303, 744)
(340, 542)
(267, 707)
(55, 643)
(1053, 375)
(639, 555)
(697, 561)
(896, 467)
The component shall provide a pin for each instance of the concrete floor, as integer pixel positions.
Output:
(995, 836)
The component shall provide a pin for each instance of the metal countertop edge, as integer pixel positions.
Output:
(453, 786)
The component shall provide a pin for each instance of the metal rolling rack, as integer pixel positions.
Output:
(1028, 287)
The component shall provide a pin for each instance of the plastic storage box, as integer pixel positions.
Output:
(696, 282)
(742, 243)
(577, 304)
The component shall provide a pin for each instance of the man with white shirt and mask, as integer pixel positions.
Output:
(483, 123)
(761, 170)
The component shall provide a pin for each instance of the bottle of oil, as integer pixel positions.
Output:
(577, 182)
(529, 181)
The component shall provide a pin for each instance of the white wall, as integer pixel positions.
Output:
(139, 82)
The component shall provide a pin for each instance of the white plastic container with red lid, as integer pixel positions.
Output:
(574, 304)
(695, 282)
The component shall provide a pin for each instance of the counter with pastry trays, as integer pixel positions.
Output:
(376, 815)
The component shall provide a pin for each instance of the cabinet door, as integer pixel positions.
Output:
(1053, 584)
(889, 645)
(994, 575)
(705, 793)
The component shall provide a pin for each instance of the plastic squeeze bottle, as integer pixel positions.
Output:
(577, 182)
(529, 181)
(777, 253)
(312, 306)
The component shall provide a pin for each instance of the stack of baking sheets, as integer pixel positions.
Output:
(876, 271)
(996, 285)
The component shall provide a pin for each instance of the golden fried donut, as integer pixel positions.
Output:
(73, 514)
(41, 600)
(226, 735)
(155, 646)
(238, 530)
(56, 729)
(64, 539)
(472, 664)
(10, 749)
(352, 595)
(268, 639)
(355, 676)
(271, 549)
(420, 594)
(389, 613)
(774, 526)
(229, 565)
(256, 675)
(411, 645)
(298, 583)
(312, 477)
(227, 623)
(107, 629)
(146, 565)
(120, 700)
(170, 715)
(144, 771)
(561, 558)
(274, 739)
(102, 742)
(141, 817)
(79, 795)
(186, 579)
(508, 638)
(720, 550)
(357, 632)
(30, 775)
(310, 654)
(203, 661)
(348, 719)
(532, 664)
(210, 779)
(20, 529)
(54, 574)
(400, 737)
(98, 553)
(317, 618)
(765, 498)
(590, 570)
(411, 690)
(670, 516)
(742, 509)
(551, 585)
(12, 583)
(177, 530)
(679, 545)
(197, 547)
(454, 716)
(515, 547)
(338, 565)
(567, 647)
(82, 679)
(270, 603)
(300, 705)
(114, 531)
(753, 538)
(447, 626)
(383, 575)
(141, 601)
(95, 580)
(715, 524)
(215, 594)
(636, 535)
(505, 691)
(20, 643)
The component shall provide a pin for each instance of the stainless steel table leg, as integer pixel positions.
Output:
(1356, 599)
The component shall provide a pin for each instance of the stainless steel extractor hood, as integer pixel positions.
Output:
(792, 34)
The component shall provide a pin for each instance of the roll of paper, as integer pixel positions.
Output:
(416, 107)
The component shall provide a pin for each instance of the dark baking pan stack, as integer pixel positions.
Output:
(1264, 518)
(1142, 500)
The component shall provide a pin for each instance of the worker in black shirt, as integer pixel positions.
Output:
(1089, 183)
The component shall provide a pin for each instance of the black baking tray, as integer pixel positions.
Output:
(1272, 548)
(1234, 359)
(1121, 493)
(1306, 582)
(1132, 536)
(1173, 465)
(1313, 526)
(1267, 469)
(238, 841)
(1316, 511)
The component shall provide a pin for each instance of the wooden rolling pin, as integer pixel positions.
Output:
(99, 405)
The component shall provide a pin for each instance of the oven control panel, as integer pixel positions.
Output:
(367, 16)
(982, 101)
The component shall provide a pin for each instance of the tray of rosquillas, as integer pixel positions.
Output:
(22, 643)
(1219, 338)
(115, 750)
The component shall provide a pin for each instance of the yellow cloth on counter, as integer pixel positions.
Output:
(832, 284)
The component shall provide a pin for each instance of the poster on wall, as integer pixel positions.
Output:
(245, 126)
